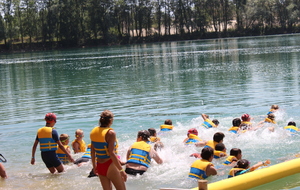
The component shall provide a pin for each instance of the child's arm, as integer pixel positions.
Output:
(36, 142)
(155, 156)
(254, 167)
(68, 150)
(185, 140)
(211, 170)
(93, 155)
(204, 116)
(75, 147)
(201, 143)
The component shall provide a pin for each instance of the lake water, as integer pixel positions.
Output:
(143, 85)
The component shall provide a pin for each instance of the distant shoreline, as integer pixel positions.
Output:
(49, 46)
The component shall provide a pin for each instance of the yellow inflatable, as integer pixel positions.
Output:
(257, 177)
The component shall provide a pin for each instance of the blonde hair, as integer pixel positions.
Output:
(63, 137)
(275, 107)
(78, 131)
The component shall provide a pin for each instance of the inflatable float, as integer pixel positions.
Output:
(257, 177)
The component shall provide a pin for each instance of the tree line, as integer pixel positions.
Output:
(73, 23)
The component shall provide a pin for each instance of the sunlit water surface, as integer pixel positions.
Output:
(143, 85)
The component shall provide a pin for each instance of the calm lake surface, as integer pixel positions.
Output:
(143, 85)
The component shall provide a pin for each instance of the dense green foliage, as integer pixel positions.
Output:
(73, 23)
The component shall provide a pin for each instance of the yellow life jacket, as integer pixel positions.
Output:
(154, 139)
(208, 124)
(193, 139)
(211, 144)
(45, 138)
(82, 145)
(217, 154)
(229, 160)
(291, 128)
(268, 120)
(140, 154)
(198, 169)
(97, 137)
(62, 155)
(166, 127)
(234, 129)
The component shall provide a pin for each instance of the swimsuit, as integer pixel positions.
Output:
(50, 159)
(103, 167)
(133, 171)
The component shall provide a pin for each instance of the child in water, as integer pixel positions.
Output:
(243, 167)
(220, 151)
(167, 126)
(291, 127)
(273, 109)
(192, 137)
(209, 123)
(235, 125)
(78, 144)
(64, 139)
(202, 169)
(154, 139)
(235, 155)
(270, 119)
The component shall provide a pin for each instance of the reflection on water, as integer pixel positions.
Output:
(144, 85)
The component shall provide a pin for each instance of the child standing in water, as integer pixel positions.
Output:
(243, 166)
(78, 144)
(64, 139)
(48, 138)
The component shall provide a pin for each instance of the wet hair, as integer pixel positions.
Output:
(220, 147)
(292, 123)
(271, 116)
(207, 153)
(243, 163)
(168, 122)
(235, 152)
(106, 117)
(215, 121)
(236, 122)
(218, 136)
(275, 107)
(152, 131)
(144, 134)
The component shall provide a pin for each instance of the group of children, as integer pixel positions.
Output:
(140, 153)
(215, 148)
